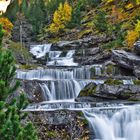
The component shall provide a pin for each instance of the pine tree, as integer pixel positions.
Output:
(11, 117)
(37, 15)
(7, 71)
(12, 10)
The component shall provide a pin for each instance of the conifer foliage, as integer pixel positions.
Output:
(11, 127)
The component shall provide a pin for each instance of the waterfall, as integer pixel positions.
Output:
(47, 74)
(63, 61)
(128, 82)
(123, 124)
(83, 72)
(40, 50)
(70, 54)
(98, 71)
(63, 89)
(54, 54)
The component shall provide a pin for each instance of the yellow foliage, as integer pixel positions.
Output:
(61, 17)
(108, 1)
(137, 1)
(129, 6)
(137, 27)
(7, 25)
(133, 35)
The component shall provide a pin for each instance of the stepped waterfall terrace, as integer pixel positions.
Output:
(60, 84)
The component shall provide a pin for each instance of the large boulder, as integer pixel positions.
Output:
(105, 92)
(32, 90)
(127, 60)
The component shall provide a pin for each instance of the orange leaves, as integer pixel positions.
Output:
(7, 25)
(61, 17)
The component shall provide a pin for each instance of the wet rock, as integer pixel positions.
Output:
(127, 60)
(109, 92)
(80, 43)
(32, 90)
(97, 58)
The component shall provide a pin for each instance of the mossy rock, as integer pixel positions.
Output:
(51, 134)
(136, 82)
(85, 32)
(113, 82)
(88, 90)
(134, 99)
(54, 40)
(27, 67)
(110, 69)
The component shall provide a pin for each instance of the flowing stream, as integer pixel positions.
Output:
(123, 124)
(62, 83)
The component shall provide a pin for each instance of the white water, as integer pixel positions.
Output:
(128, 82)
(54, 54)
(122, 124)
(40, 50)
(64, 89)
(63, 61)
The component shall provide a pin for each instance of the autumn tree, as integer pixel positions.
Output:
(61, 17)
(132, 35)
(7, 25)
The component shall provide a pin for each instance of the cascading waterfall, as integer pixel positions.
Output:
(64, 89)
(61, 85)
(63, 61)
(40, 50)
(122, 124)
(83, 72)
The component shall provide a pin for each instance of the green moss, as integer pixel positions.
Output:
(51, 134)
(80, 113)
(27, 67)
(136, 82)
(110, 69)
(127, 95)
(113, 82)
(88, 91)
(85, 32)
(54, 40)
(85, 122)
(134, 99)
